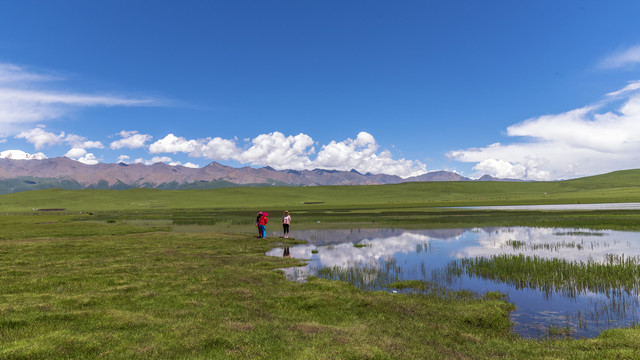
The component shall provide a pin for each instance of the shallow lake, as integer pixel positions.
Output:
(578, 306)
(601, 206)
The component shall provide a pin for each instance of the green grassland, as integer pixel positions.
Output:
(622, 186)
(169, 295)
(93, 274)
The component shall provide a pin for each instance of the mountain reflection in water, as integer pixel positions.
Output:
(429, 254)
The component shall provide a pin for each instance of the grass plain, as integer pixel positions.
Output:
(100, 274)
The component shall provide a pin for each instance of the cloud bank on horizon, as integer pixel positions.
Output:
(592, 139)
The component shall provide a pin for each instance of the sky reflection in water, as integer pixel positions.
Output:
(421, 253)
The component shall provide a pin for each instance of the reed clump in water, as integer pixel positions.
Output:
(366, 276)
(552, 247)
(616, 274)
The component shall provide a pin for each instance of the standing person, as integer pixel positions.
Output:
(262, 225)
(286, 221)
(258, 223)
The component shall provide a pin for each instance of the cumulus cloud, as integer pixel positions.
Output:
(25, 99)
(274, 149)
(294, 152)
(82, 156)
(279, 151)
(349, 153)
(216, 149)
(130, 140)
(41, 138)
(585, 141)
(89, 159)
(361, 154)
(82, 142)
(173, 144)
(75, 153)
(212, 148)
(620, 59)
(157, 159)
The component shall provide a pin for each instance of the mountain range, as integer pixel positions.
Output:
(61, 172)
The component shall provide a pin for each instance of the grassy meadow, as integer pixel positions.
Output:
(101, 274)
(619, 186)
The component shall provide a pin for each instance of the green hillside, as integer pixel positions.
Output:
(28, 183)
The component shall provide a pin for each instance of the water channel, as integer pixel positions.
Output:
(430, 255)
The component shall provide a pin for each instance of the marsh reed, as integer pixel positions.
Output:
(614, 275)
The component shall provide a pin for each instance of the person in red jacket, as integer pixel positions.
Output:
(262, 224)
(258, 223)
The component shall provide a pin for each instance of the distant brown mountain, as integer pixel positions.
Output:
(20, 175)
(439, 176)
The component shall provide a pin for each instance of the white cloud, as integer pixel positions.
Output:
(82, 156)
(212, 148)
(89, 159)
(173, 144)
(82, 142)
(40, 137)
(216, 149)
(279, 151)
(585, 141)
(501, 169)
(130, 140)
(273, 149)
(347, 154)
(24, 99)
(157, 159)
(633, 85)
(123, 159)
(360, 154)
(75, 153)
(295, 152)
(15, 75)
(92, 144)
(620, 59)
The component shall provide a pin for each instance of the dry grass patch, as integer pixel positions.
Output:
(309, 328)
(239, 326)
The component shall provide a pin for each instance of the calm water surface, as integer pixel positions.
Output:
(423, 254)
(601, 206)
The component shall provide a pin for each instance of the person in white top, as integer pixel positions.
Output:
(286, 221)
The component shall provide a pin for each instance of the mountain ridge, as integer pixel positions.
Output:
(68, 173)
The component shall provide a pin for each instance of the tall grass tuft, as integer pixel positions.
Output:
(617, 274)
(366, 276)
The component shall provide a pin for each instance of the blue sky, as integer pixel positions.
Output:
(537, 90)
